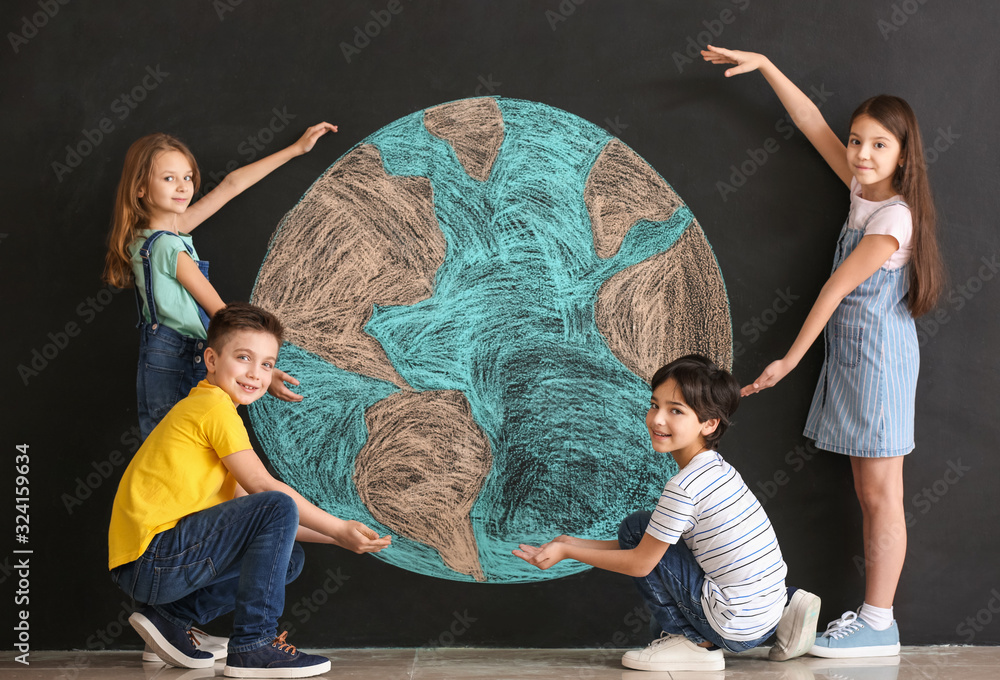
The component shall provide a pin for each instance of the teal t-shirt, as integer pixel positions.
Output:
(175, 307)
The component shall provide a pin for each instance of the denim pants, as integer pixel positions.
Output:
(236, 556)
(170, 364)
(672, 591)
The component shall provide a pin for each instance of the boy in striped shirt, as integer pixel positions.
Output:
(706, 560)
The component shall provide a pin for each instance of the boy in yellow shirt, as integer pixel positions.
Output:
(199, 527)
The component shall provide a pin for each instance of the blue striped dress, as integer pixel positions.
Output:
(864, 401)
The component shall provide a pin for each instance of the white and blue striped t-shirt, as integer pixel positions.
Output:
(708, 504)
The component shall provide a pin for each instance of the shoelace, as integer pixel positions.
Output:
(283, 646)
(847, 623)
(194, 638)
(664, 637)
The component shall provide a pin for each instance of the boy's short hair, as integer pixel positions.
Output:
(242, 316)
(712, 392)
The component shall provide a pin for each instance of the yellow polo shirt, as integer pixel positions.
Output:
(177, 471)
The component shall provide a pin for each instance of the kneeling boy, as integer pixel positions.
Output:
(199, 527)
(723, 585)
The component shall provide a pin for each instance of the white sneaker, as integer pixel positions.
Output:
(797, 628)
(674, 653)
(218, 647)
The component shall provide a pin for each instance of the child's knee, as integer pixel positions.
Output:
(282, 506)
(632, 528)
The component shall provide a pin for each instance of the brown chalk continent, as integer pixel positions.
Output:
(622, 189)
(421, 470)
(474, 128)
(358, 237)
(670, 305)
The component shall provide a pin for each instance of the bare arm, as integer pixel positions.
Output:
(870, 254)
(204, 293)
(586, 542)
(805, 114)
(638, 561)
(252, 476)
(240, 179)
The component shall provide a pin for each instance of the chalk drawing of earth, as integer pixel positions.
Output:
(476, 296)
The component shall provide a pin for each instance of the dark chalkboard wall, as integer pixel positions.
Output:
(81, 81)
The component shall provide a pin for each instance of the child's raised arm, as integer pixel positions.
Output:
(241, 178)
(805, 114)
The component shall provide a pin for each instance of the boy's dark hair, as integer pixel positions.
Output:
(710, 391)
(242, 316)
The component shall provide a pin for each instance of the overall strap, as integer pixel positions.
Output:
(147, 272)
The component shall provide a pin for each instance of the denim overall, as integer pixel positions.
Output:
(864, 401)
(170, 363)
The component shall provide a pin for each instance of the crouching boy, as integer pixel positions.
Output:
(706, 560)
(199, 527)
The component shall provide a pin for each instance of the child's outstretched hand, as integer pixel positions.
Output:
(775, 371)
(544, 556)
(279, 389)
(745, 61)
(308, 139)
(358, 538)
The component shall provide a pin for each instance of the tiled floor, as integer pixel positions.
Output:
(915, 663)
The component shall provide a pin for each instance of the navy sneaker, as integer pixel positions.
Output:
(276, 660)
(216, 646)
(173, 644)
(849, 637)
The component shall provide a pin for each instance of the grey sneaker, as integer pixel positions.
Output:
(797, 628)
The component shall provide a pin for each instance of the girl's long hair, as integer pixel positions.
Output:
(130, 212)
(910, 181)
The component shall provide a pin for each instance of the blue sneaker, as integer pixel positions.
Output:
(173, 644)
(850, 638)
(276, 660)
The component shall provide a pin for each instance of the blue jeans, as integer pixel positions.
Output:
(170, 364)
(672, 591)
(236, 556)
